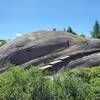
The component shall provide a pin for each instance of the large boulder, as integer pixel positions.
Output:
(42, 47)
(32, 46)
(86, 61)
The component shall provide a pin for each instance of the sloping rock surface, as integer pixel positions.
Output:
(32, 46)
(42, 47)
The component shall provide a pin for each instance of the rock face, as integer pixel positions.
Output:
(33, 45)
(42, 47)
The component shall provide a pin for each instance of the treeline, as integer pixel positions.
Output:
(95, 33)
(34, 84)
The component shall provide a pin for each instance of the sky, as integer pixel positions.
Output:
(21, 16)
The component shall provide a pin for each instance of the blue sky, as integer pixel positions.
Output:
(21, 16)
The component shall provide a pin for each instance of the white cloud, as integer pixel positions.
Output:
(18, 34)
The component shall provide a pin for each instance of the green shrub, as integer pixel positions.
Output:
(34, 84)
(95, 72)
(74, 88)
(2, 42)
(84, 74)
(90, 76)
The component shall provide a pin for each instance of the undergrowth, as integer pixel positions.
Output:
(34, 84)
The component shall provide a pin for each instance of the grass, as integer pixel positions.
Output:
(2, 42)
(78, 38)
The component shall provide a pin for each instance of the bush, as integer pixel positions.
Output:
(20, 84)
(84, 74)
(2, 42)
(33, 84)
(90, 76)
(82, 35)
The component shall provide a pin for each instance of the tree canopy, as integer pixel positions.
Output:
(96, 30)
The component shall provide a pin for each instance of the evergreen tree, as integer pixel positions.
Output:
(70, 30)
(96, 30)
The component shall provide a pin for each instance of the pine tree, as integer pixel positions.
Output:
(96, 30)
(70, 30)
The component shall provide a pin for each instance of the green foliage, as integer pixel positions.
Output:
(20, 84)
(34, 84)
(70, 30)
(82, 35)
(90, 76)
(2, 42)
(69, 87)
(96, 30)
(78, 38)
(84, 74)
